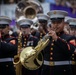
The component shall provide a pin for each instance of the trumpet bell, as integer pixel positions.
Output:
(30, 59)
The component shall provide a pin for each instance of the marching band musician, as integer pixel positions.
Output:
(72, 24)
(43, 21)
(58, 52)
(8, 48)
(27, 40)
(34, 28)
(67, 27)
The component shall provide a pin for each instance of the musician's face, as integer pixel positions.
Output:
(58, 26)
(72, 31)
(26, 31)
(6, 30)
(43, 23)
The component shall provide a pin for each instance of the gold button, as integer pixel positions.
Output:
(41, 34)
(51, 48)
(51, 58)
(19, 46)
(6, 65)
(51, 53)
(72, 54)
(52, 44)
(64, 70)
(18, 40)
(25, 39)
(72, 58)
(24, 42)
(52, 40)
(24, 45)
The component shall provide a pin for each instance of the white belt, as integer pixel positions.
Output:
(6, 59)
(54, 63)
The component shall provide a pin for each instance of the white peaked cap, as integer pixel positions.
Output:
(57, 14)
(43, 16)
(5, 20)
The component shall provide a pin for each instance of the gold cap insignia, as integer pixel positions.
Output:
(55, 12)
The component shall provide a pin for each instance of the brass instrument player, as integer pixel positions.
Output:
(27, 40)
(43, 21)
(35, 27)
(72, 31)
(57, 53)
(8, 48)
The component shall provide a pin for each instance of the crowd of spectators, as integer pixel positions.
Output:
(67, 3)
(9, 1)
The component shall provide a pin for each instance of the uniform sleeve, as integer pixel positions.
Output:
(10, 47)
(65, 46)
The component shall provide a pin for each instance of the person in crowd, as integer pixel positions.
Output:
(8, 47)
(34, 28)
(72, 24)
(27, 40)
(57, 53)
(43, 21)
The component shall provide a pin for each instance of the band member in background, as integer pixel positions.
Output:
(58, 52)
(43, 21)
(34, 28)
(72, 24)
(8, 48)
(27, 40)
(67, 27)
